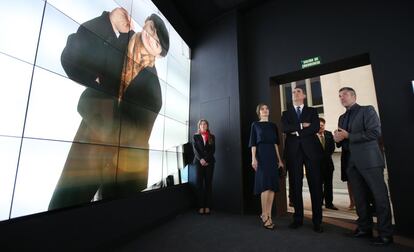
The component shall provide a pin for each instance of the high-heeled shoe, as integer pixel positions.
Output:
(268, 225)
(262, 218)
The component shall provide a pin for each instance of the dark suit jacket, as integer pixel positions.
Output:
(364, 132)
(203, 151)
(307, 139)
(327, 161)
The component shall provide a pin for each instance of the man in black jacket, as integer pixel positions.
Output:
(327, 165)
(93, 57)
(358, 134)
(300, 124)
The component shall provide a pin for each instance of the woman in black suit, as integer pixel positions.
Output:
(204, 147)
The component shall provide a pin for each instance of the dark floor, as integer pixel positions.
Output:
(227, 232)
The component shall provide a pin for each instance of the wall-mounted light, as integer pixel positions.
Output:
(412, 82)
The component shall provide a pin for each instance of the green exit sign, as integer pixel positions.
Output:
(311, 62)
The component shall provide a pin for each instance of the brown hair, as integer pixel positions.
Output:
(210, 139)
(322, 120)
(259, 106)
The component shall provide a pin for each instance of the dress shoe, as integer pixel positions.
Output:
(331, 207)
(382, 241)
(362, 234)
(295, 225)
(318, 228)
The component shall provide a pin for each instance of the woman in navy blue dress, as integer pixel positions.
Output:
(266, 161)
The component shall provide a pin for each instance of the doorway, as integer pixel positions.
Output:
(321, 84)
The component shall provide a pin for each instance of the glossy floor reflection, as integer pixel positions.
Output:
(230, 232)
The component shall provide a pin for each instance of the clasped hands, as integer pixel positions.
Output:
(203, 162)
(340, 135)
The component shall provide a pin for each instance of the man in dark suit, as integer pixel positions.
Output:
(300, 124)
(358, 134)
(327, 165)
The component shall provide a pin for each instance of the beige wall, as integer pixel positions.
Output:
(360, 79)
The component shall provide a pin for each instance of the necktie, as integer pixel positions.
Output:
(298, 112)
(347, 120)
(322, 139)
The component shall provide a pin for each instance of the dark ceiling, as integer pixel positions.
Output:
(199, 13)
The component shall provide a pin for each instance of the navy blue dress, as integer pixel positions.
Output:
(264, 135)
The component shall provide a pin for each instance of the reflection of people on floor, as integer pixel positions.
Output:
(204, 147)
(327, 167)
(117, 91)
(358, 133)
(266, 162)
(302, 147)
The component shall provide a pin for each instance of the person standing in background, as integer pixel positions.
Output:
(327, 165)
(266, 162)
(204, 148)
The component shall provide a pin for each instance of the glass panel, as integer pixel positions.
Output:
(316, 91)
(288, 94)
(179, 75)
(89, 54)
(81, 11)
(154, 169)
(141, 9)
(133, 169)
(55, 31)
(320, 110)
(172, 165)
(55, 174)
(161, 68)
(15, 78)
(177, 105)
(82, 142)
(176, 134)
(178, 48)
(20, 25)
(139, 125)
(58, 115)
(9, 149)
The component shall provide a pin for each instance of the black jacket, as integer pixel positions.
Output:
(95, 52)
(203, 151)
(328, 151)
(307, 139)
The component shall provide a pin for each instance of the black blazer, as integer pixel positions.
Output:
(203, 151)
(307, 139)
(329, 150)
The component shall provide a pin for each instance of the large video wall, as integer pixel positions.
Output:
(94, 102)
